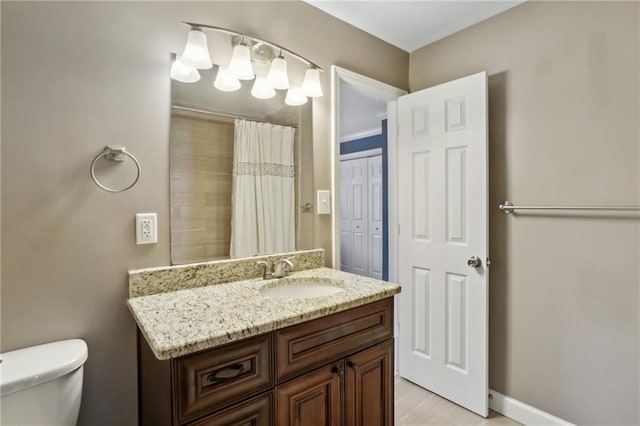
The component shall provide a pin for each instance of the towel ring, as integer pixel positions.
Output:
(114, 153)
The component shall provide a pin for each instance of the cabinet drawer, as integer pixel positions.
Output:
(255, 412)
(210, 380)
(305, 346)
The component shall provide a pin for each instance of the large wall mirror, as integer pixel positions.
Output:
(239, 166)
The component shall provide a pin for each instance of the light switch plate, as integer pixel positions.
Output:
(324, 202)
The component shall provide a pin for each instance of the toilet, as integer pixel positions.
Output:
(42, 385)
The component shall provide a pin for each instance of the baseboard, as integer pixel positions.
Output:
(521, 412)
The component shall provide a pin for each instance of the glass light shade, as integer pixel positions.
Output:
(182, 72)
(196, 52)
(295, 96)
(311, 84)
(277, 75)
(240, 63)
(226, 81)
(262, 89)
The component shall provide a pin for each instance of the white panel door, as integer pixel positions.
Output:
(374, 182)
(359, 217)
(354, 216)
(345, 216)
(442, 213)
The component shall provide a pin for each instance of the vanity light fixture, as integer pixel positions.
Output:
(277, 75)
(311, 84)
(196, 52)
(246, 50)
(295, 96)
(262, 89)
(226, 81)
(182, 72)
(240, 63)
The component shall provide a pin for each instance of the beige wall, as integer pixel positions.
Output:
(78, 76)
(563, 129)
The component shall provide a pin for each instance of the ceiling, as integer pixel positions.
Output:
(360, 115)
(411, 25)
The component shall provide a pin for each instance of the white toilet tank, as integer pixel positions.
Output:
(42, 385)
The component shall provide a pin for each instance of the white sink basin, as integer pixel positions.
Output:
(302, 288)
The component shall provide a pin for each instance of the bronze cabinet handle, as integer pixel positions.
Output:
(228, 373)
(351, 364)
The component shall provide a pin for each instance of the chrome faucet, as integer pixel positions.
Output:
(279, 269)
(267, 273)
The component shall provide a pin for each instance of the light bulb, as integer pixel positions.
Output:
(295, 96)
(226, 80)
(277, 75)
(182, 72)
(240, 63)
(196, 52)
(311, 85)
(262, 89)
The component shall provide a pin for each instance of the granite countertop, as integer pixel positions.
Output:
(184, 321)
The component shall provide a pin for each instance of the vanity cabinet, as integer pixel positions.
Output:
(354, 391)
(333, 370)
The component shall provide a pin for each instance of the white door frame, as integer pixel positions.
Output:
(385, 93)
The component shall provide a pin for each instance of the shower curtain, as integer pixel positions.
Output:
(262, 211)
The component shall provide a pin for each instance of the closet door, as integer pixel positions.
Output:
(345, 217)
(374, 169)
(359, 217)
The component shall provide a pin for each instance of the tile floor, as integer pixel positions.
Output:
(416, 406)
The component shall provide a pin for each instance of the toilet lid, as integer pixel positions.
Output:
(23, 368)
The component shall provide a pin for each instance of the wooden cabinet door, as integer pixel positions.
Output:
(369, 386)
(314, 399)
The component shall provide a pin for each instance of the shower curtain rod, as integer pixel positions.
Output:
(508, 207)
(227, 115)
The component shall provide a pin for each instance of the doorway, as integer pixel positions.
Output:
(363, 175)
(363, 190)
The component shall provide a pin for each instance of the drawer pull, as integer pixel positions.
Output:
(352, 364)
(337, 370)
(230, 372)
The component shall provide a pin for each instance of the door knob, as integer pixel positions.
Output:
(474, 262)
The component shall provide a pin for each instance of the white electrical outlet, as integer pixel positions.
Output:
(146, 228)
